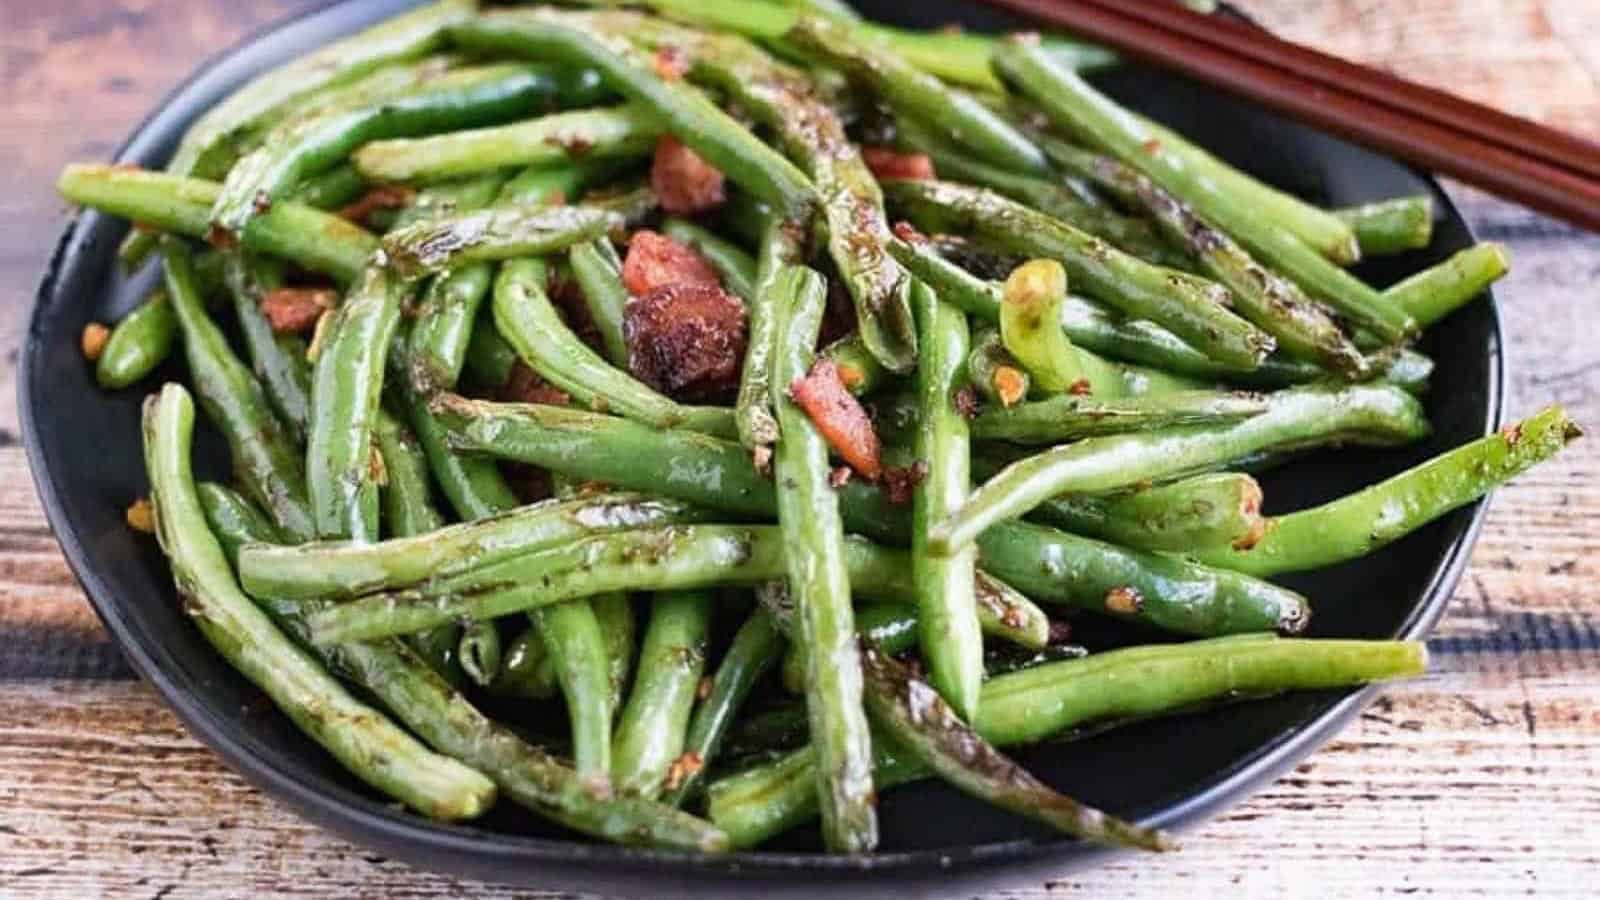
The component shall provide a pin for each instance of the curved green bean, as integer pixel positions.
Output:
(1391, 226)
(1068, 417)
(1030, 329)
(579, 656)
(139, 343)
(490, 235)
(781, 245)
(1219, 510)
(234, 520)
(1434, 293)
(1356, 525)
(279, 361)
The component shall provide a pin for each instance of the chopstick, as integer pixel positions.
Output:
(1521, 160)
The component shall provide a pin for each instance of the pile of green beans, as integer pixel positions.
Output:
(1063, 367)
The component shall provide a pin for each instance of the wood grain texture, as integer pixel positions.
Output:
(1482, 779)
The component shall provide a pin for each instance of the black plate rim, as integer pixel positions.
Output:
(371, 822)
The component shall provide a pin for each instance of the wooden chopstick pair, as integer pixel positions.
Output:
(1545, 169)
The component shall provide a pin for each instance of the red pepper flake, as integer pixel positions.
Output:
(685, 183)
(690, 763)
(384, 196)
(900, 481)
(890, 164)
(93, 340)
(840, 418)
(907, 232)
(296, 310)
(1010, 385)
(671, 63)
(1080, 387)
(967, 402)
(1512, 433)
(1124, 601)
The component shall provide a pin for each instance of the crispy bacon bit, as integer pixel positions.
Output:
(296, 310)
(907, 232)
(141, 516)
(840, 418)
(684, 766)
(900, 481)
(839, 477)
(93, 340)
(685, 339)
(671, 63)
(888, 163)
(524, 385)
(967, 402)
(384, 196)
(1080, 387)
(656, 261)
(1124, 601)
(1009, 385)
(684, 181)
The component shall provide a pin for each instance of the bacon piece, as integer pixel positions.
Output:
(296, 310)
(684, 181)
(900, 481)
(888, 163)
(840, 418)
(685, 339)
(656, 261)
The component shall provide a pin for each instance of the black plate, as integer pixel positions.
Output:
(84, 448)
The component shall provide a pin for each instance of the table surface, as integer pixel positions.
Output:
(1482, 778)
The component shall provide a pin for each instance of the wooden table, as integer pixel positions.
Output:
(1483, 778)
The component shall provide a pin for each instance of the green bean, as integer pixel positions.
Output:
(540, 186)
(317, 140)
(577, 650)
(1030, 329)
(912, 92)
(1219, 510)
(890, 626)
(525, 669)
(813, 538)
(782, 728)
(1067, 417)
(363, 741)
(1052, 197)
(527, 320)
(489, 359)
(264, 457)
(448, 198)
(234, 520)
(1274, 303)
(479, 651)
(957, 57)
(308, 237)
(1391, 226)
(780, 245)
(342, 569)
(688, 114)
(1096, 330)
(632, 203)
(279, 361)
(604, 296)
(1190, 306)
(735, 267)
(699, 469)
(860, 371)
(474, 488)
(936, 736)
(1434, 293)
(852, 204)
(492, 234)
(1299, 417)
(652, 731)
(1356, 525)
(609, 132)
(407, 496)
(618, 629)
(1150, 587)
(677, 557)
(1135, 683)
(138, 344)
(334, 189)
(999, 377)
(1161, 156)
(946, 606)
(752, 654)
